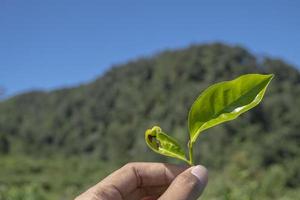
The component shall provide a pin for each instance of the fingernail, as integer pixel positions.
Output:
(201, 173)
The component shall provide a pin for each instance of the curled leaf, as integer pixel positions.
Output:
(163, 144)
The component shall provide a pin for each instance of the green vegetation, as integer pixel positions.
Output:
(55, 144)
(219, 103)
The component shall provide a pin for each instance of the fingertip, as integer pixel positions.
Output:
(201, 173)
(188, 185)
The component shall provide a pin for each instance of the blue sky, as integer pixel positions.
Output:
(51, 44)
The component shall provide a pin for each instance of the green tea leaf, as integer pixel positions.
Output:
(225, 101)
(163, 144)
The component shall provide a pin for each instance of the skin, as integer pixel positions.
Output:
(150, 181)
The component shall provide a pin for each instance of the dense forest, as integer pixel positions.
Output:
(55, 144)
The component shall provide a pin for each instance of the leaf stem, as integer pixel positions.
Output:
(190, 146)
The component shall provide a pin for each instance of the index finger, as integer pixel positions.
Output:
(136, 175)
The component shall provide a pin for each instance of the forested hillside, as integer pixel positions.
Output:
(256, 156)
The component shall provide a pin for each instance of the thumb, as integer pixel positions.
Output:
(188, 185)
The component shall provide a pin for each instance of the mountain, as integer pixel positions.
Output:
(106, 118)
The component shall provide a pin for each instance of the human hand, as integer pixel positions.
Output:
(150, 181)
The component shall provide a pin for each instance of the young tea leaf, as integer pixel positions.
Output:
(225, 101)
(163, 144)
